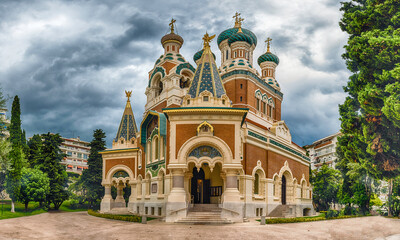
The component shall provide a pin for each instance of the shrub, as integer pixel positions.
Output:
(332, 213)
(128, 218)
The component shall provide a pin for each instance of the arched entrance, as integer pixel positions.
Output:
(206, 185)
(283, 190)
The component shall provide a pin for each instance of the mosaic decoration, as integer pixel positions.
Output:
(183, 66)
(122, 174)
(206, 79)
(158, 69)
(205, 151)
(245, 72)
(219, 89)
(193, 86)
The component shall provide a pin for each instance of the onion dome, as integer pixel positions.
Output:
(268, 57)
(232, 31)
(240, 36)
(198, 55)
(172, 37)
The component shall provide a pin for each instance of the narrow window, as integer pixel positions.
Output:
(241, 99)
(227, 54)
(264, 107)
(270, 111)
(167, 48)
(173, 48)
(258, 104)
(205, 98)
(234, 54)
(241, 86)
(256, 183)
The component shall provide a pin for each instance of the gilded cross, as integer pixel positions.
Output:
(236, 16)
(268, 41)
(207, 39)
(128, 94)
(171, 25)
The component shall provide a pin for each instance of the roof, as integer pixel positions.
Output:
(127, 128)
(206, 77)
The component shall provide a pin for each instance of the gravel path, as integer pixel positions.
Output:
(79, 225)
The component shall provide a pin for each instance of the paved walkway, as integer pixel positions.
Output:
(80, 225)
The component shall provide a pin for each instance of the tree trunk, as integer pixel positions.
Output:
(12, 206)
(26, 206)
(390, 197)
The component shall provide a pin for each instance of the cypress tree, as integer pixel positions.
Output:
(92, 177)
(16, 156)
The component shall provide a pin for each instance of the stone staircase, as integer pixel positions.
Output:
(204, 214)
(286, 211)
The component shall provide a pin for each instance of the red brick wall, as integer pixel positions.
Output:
(276, 162)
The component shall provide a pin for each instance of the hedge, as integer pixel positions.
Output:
(128, 218)
(305, 219)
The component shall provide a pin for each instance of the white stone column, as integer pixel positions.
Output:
(107, 201)
(132, 197)
(119, 200)
(231, 198)
(176, 202)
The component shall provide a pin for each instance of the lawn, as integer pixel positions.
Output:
(33, 209)
(5, 209)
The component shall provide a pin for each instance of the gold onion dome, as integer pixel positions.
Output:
(172, 37)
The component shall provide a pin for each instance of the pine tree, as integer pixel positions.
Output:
(34, 155)
(49, 164)
(16, 155)
(91, 178)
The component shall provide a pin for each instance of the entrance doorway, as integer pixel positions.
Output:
(206, 186)
(283, 190)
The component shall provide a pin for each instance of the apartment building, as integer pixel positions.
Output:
(323, 151)
(77, 152)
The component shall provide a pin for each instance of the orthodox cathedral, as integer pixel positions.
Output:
(211, 139)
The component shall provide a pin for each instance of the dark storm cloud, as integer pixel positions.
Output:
(70, 61)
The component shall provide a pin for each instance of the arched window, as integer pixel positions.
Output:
(173, 48)
(163, 183)
(270, 111)
(155, 149)
(257, 103)
(256, 183)
(160, 87)
(264, 107)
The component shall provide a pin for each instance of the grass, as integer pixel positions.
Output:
(128, 218)
(33, 209)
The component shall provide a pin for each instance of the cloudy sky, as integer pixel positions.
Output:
(70, 61)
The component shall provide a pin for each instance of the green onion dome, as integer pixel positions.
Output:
(268, 57)
(171, 37)
(231, 31)
(240, 37)
(198, 55)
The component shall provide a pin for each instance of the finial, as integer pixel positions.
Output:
(268, 41)
(238, 20)
(171, 25)
(128, 94)
(207, 39)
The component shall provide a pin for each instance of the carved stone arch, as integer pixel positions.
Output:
(258, 94)
(258, 167)
(285, 169)
(264, 97)
(271, 102)
(117, 168)
(212, 141)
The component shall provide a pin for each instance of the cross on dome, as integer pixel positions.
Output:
(171, 25)
(268, 41)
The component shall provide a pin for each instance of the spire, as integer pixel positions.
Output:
(207, 77)
(127, 128)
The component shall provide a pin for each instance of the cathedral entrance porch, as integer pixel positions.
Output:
(205, 186)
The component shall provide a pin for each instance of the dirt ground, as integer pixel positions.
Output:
(80, 225)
